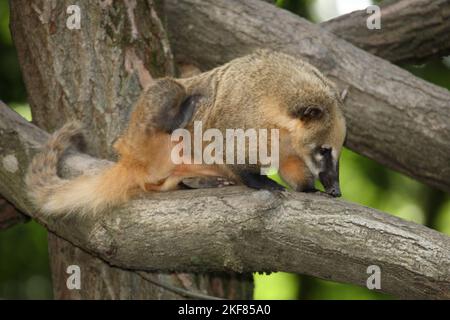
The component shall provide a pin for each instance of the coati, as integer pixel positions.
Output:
(265, 89)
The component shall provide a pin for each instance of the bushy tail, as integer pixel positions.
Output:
(84, 194)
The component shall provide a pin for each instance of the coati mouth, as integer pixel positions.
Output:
(330, 182)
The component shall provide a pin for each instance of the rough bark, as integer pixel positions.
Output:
(412, 31)
(393, 117)
(237, 229)
(94, 74)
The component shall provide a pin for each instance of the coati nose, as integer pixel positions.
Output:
(330, 182)
(335, 191)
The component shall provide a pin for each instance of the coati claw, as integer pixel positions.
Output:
(311, 190)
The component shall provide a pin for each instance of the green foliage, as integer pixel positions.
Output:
(11, 85)
(276, 286)
(435, 71)
(23, 109)
(24, 268)
(5, 35)
(321, 289)
(298, 7)
(442, 222)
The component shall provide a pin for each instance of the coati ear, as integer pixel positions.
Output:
(171, 106)
(177, 115)
(309, 113)
(185, 111)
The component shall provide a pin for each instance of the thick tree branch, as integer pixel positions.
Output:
(239, 229)
(412, 31)
(393, 117)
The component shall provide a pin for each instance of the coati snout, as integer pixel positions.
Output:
(329, 175)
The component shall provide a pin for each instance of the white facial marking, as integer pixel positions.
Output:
(318, 157)
(334, 154)
(314, 170)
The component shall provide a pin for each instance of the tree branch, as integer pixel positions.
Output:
(393, 117)
(238, 229)
(412, 31)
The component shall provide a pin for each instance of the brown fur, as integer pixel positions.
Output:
(263, 90)
(295, 173)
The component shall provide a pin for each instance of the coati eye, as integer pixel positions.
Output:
(308, 113)
(324, 150)
(313, 112)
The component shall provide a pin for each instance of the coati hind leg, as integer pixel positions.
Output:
(145, 147)
(161, 108)
(144, 156)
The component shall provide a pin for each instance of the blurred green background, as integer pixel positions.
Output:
(24, 267)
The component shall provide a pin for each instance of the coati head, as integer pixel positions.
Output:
(279, 91)
(314, 130)
(319, 141)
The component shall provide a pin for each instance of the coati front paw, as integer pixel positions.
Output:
(309, 190)
(315, 191)
(258, 181)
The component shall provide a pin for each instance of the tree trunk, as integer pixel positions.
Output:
(94, 74)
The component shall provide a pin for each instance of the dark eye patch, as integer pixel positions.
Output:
(324, 151)
(326, 159)
(326, 162)
(307, 113)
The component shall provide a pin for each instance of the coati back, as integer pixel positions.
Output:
(264, 90)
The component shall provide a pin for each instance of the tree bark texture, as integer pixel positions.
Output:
(412, 31)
